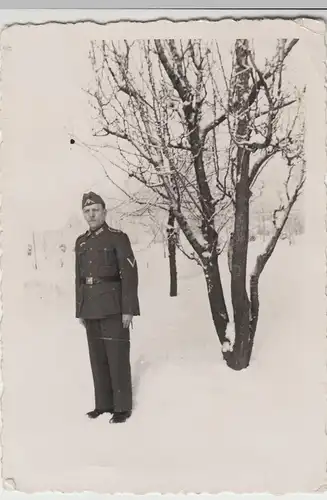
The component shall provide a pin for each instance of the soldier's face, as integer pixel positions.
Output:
(95, 215)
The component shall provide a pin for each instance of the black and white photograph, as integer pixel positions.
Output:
(163, 257)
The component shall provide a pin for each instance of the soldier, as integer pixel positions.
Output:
(106, 301)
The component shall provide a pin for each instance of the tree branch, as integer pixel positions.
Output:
(173, 76)
(259, 164)
(263, 258)
(253, 93)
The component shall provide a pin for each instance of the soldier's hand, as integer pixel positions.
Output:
(127, 319)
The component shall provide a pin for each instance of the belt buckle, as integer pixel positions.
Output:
(89, 280)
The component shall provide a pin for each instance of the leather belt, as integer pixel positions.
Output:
(90, 280)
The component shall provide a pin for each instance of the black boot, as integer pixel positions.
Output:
(96, 413)
(120, 417)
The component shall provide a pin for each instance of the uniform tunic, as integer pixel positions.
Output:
(106, 253)
(106, 288)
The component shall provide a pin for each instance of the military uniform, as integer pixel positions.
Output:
(107, 288)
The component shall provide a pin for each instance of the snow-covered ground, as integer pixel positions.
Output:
(197, 426)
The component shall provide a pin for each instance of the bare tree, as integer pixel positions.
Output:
(198, 134)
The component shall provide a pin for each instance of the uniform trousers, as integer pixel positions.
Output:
(109, 351)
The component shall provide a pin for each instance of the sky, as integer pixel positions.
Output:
(45, 71)
(46, 104)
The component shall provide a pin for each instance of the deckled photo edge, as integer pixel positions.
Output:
(296, 26)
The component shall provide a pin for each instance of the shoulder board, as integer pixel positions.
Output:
(112, 230)
(80, 238)
(82, 235)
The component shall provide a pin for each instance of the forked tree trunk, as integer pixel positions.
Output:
(171, 236)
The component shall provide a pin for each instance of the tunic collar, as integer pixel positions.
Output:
(97, 231)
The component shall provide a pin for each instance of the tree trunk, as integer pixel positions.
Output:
(171, 236)
(241, 305)
(216, 297)
(255, 304)
(240, 300)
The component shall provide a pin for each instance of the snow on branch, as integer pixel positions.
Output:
(279, 218)
(275, 67)
(171, 111)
